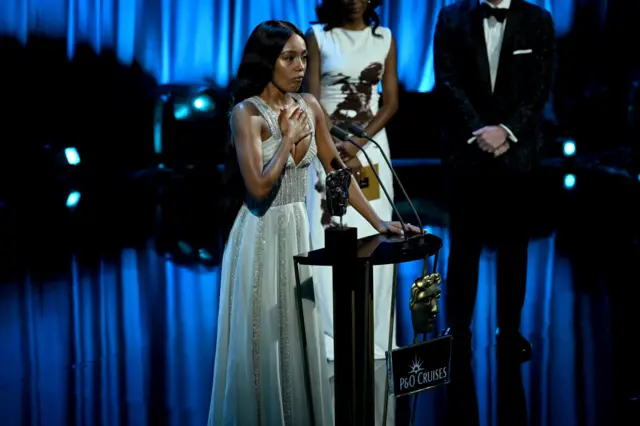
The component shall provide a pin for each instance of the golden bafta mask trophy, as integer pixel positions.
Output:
(425, 294)
(423, 303)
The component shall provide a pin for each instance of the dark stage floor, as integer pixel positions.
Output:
(108, 309)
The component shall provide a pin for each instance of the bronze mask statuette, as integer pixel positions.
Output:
(425, 294)
(337, 187)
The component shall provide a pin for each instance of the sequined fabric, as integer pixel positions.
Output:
(258, 371)
(291, 187)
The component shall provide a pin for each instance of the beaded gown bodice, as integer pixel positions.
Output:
(260, 370)
(292, 184)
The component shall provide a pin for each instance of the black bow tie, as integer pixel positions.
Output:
(499, 14)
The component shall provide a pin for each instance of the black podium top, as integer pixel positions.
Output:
(381, 250)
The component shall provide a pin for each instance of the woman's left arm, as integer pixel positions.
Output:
(389, 92)
(330, 159)
(389, 100)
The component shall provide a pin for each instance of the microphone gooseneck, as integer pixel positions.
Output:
(346, 137)
(359, 132)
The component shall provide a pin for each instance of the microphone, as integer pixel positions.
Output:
(346, 137)
(359, 132)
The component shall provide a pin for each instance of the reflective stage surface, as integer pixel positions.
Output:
(108, 311)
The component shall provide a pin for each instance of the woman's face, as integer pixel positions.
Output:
(291, 65)
(354, 8)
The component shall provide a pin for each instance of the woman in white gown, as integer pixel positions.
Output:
(258, 372)
(349, 55)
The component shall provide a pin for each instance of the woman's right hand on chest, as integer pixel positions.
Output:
(294, 125)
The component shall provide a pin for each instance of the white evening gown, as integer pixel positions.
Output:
(258, 373)
(352, 64)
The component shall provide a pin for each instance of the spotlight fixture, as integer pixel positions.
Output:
(72, 156)
(190, 127)
(569, 181)
(569, 148)
(73, 199)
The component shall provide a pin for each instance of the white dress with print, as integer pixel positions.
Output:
(352, 64)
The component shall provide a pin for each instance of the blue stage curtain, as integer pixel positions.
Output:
(559, 321)
(131, 340)
(190, 40)
(124, 341)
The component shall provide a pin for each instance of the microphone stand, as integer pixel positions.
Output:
(346, 137)
(357, 131)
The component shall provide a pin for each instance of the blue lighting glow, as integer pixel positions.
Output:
(569, 148)
(199, 103)
(189, 40)
(181, 112)
(73, 158)
(73, 199)
(569, 180)
(203, 103)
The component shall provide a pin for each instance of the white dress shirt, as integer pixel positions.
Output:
(493, 35)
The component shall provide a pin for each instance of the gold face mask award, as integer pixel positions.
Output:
(426, 363)
(425, 295)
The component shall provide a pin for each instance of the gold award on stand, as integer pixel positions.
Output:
(425, 294)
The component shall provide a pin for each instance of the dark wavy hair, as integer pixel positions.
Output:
(256, 70)
(331, 14)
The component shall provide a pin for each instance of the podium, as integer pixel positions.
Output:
(352, 261)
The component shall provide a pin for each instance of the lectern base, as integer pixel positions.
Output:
(353, 329)
(341, 241)
(352, 264)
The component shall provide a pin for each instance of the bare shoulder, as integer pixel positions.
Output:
(311, 101)
(246, 120)
(244, 112)
(310, 33)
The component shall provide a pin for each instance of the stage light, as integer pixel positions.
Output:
(202, 103)
(181, 112)
(569, 181)
(205, 255)
(73, 158)
(185, 248)
(569, 148)
(200, 107)
(185, 123)
(73, 199)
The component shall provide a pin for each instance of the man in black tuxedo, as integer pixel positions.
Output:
(494, 66)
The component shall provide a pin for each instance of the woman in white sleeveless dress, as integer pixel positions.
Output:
(349, 55)
(258, 374)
